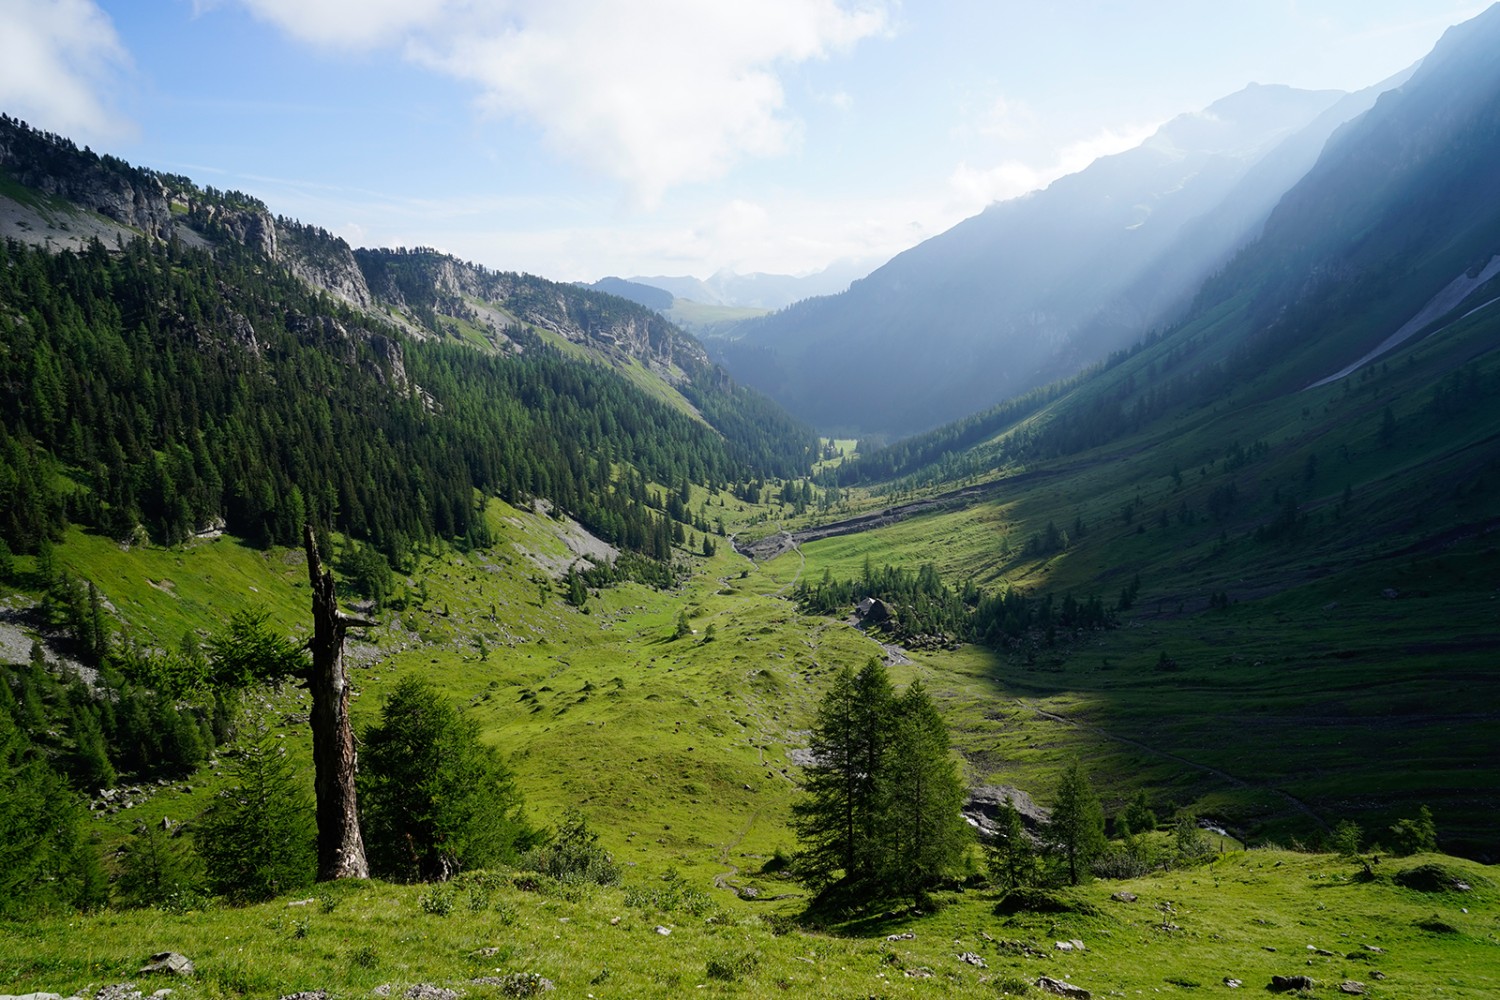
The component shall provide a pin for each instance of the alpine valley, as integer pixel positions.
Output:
(1101, 598)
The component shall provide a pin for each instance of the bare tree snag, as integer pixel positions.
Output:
(341, 848)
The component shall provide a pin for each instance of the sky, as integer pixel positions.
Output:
(581, 138)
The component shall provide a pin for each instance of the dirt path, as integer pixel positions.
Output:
(1224, 776)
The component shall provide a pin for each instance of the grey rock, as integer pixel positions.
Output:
(973, 960)
(984, 802)
(1062, 988)
(1124, 897)
(427, 991)
(307, 995)
(1352, 987)
(167, 963)
(119, 991)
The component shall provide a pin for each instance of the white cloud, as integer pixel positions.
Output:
(348, 23)
(1012, 178)
(57, 57)
(655, 93)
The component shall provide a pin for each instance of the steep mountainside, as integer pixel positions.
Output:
(1040, 286)
(210, 365)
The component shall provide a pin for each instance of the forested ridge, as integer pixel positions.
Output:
(172, 388)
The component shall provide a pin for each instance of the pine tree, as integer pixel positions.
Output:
(1011, 854)
(927, 835)
(258, 839)
(830, 820)
(435, 800)
(1076, 831)
(156, 869)
(883, 793)
(45, 862)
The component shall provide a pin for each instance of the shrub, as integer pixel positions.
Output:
(731, 967)
(573, 855)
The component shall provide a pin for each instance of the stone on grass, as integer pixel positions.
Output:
(1124, 897)
(1061, 988)
(663, 931)
(167, 963)
(427, 991)
(1233, 984)
(307, 995)
(119, 991)
(517, 984)
(1284, 983)
(1352, 987)
(973, 960)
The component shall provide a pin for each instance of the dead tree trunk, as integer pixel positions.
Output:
(341, 849)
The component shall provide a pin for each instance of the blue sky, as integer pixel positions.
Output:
(579, 138)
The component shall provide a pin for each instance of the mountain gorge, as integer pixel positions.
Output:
(1196, 546)
(1039, 287)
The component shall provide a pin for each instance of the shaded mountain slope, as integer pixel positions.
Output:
(1036, 287)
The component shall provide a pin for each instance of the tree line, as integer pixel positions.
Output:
(922, 606)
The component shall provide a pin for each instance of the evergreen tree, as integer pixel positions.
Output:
(829, 820)
(1011, 854)
(258, 839)
(925, 826)
(250, 651)
(1139, 814)
(1076, 831)
(156, 869)
(435, 800)
(45, 862)
(883, 793)
(1413, 836)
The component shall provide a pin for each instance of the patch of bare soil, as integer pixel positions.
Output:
(579, 542)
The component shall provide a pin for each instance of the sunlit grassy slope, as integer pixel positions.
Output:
(676, 751)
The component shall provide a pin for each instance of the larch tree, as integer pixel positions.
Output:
(1076, 830)
(925, 795)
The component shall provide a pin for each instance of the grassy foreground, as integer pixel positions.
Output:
(1245, 916)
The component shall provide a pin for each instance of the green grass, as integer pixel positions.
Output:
(1245, 915)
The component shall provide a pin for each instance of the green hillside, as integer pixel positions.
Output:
(1222, 628)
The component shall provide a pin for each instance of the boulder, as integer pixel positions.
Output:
(167, 963)
(1284, 983)
(1062, 988)
(983, 806)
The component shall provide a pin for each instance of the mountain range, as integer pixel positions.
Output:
(1041, 286)
(1206, 553)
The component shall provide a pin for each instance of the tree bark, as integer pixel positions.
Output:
(341, 848)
